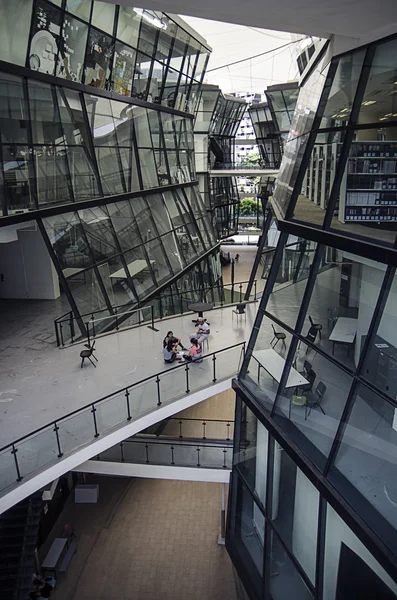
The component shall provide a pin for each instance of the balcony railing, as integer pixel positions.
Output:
(123, 317)
(171, 453)
(49, 444)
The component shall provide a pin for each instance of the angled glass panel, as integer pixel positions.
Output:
(173, 252)
(155, 251)
(163, 211)
(342, 304)
(380, 366)
(124, 224)
(367, 454)
(99, 59)
(290, 166)
(164, 42)
(52, 175)
(251, 456)
(123, 69)
(156, 82)
(285, 300)
(72, 49)
(267, 363)
(379, 103)
(128, 25)
(169, 93)
(310, 406)
(110, 170)
(45, 37)
(248, 534)
(19, 189)
(100, 118)
(86, 291)
(70, 246)
(285, 579)
(147, 34)
(317, 184)
(45, 120)
(103, 16)
(343, 90)
(14, 119)
(99, 233)
(80, 8)
(15, 18)
(84, 180)
(294, 521)
(141, 76)
(140, 268)
(201, 64)
(146, 226)
(349, 564)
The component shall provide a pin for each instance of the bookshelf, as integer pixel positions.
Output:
(369, 190)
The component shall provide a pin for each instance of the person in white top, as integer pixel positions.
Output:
(202, 332)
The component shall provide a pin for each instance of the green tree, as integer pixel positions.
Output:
(252, 159)
(248, 207)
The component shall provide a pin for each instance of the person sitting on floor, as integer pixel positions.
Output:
(170, 352)
(175, 341)
(202, 332)
(194, 352)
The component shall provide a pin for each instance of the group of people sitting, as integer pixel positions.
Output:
(171, 343)
(42, 587)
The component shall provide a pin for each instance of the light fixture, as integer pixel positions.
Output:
(368, 102)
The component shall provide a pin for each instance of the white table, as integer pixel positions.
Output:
(70, 271)
(135, 267)
(344, 332)
(274, 364)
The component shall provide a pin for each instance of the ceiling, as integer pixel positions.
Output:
(322, 18)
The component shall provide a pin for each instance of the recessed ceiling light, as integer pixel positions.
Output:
(383, 119)
(368, 102)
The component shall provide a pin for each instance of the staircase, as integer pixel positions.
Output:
(18, 539)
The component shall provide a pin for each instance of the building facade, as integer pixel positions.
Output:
(312, 506)
(98, 180)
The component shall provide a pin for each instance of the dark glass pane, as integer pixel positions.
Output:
(99, 59)
(366, 456)
(99, 233)
(18, 177)
(156, 82)
(46, 36)
(290, 166)
(52, 175)
(14, 118)
(110, 170)
(69, 243)
(294, 510)
(140, 267)
(380, 99)
(172, 250)
(80, 8)
(72, 49)
(141, 76)
(45, 120)
(84, 181)
(164, 212)
(124, 224)
(285, 580)
(86, 292)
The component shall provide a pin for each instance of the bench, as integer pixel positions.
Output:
(68, 556)
(53, 555)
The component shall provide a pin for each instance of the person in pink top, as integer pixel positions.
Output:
(194, 352)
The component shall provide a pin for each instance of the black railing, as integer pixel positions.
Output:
(170, 453)
(45, 446)
(237, 167)
(202, 428)
(96, 322)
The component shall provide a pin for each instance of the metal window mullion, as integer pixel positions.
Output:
(162, 137)
(143, 246)
(90, 141)
(194, 220)
(159, 237)
(341, 165)
(61, 276)
(264, 300)
(136, 154)
(320, 551)
(65, 147)
(372, 332)
(258, 255)
(31, 162)
(304, 305)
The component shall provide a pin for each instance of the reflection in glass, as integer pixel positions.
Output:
(99, 59)
(123, 69)
(72, 49)
(15, 20)
(13, 110)
(285, 580)
(46, 36)
(103, 16)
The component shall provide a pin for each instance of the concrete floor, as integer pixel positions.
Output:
(146, 540)
(40, 386)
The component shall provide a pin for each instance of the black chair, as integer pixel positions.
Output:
(88, 353)
(240, 310)
(315, 399)
(307, 387)
(316, 326)
(278, 336)
(307, 367)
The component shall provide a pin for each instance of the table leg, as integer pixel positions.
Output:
(333, 348)
(200, 313)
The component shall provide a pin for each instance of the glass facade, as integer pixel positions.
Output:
(267, 135)
(130, 51)
(217, 120)
(315, 448)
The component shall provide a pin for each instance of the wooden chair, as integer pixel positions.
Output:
(88, 353)
(316, 326)
(278, 335)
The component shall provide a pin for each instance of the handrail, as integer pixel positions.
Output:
(236, 290)
(59, 426)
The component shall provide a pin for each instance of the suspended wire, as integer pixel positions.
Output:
(236, 62)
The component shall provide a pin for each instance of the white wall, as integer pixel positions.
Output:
(304, 534)
(337, 531)
(27, 269)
